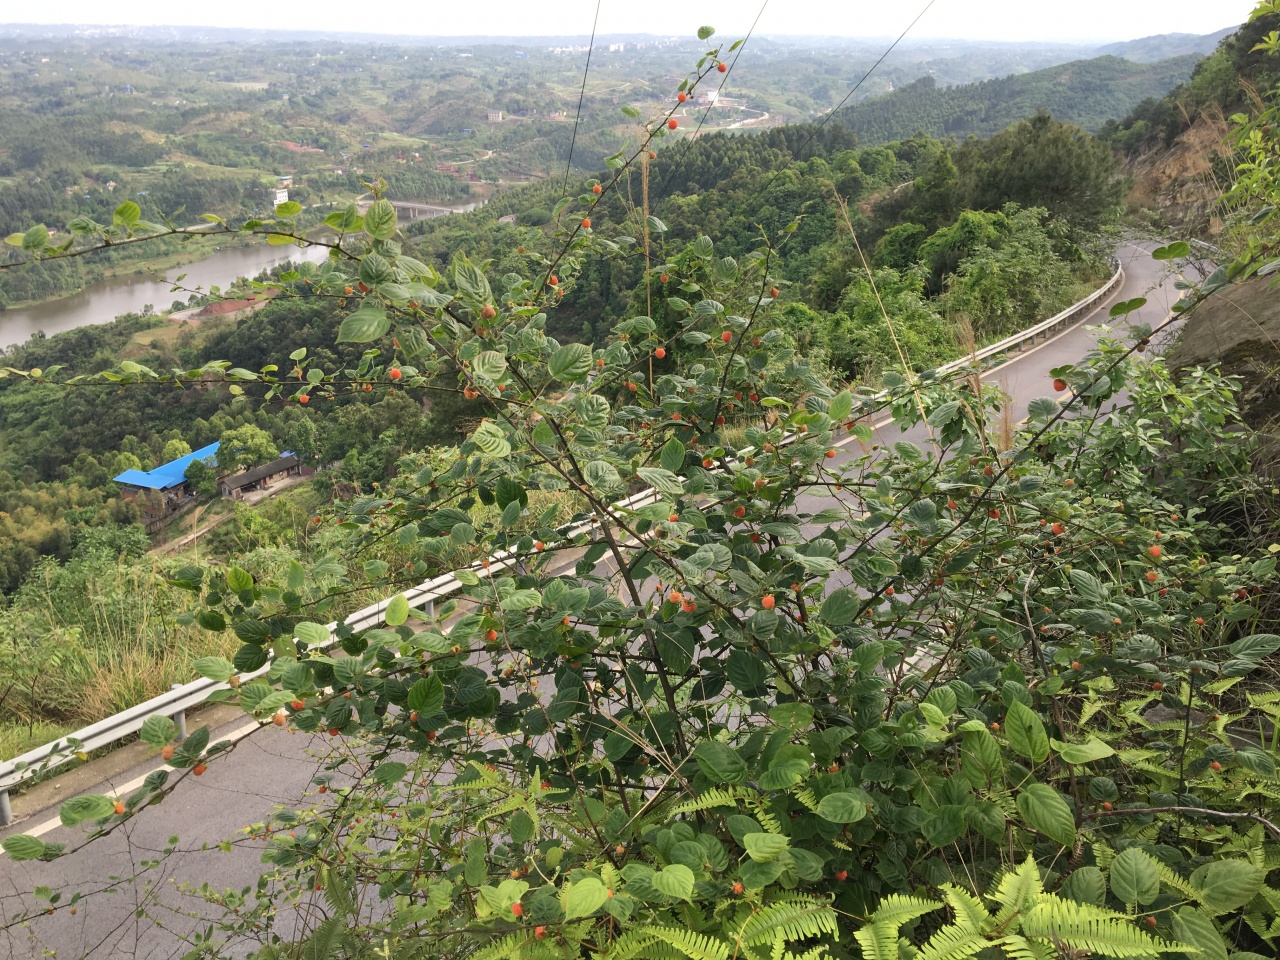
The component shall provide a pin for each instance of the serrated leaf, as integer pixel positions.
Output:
(671, 456)
(764, 847)
(157, 731)
(571, 362)
(1087, 752)
(1046, 811)
(1227, 885)
(380, 219)
(217, 669)
(841, 607)
(390, 772)
(426, 696)
(675, 880)
(397, 610)
(720, 762)
(1135, 877)
(91, 806)
(843, 807)
(491, 440)
(22, 847)
(584, 897)
(365, 325)
(490, 364)
(1026, 733)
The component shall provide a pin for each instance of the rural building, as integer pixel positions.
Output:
(165, 490)
(495, 116)
(260, 478)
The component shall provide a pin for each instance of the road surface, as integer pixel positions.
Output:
(272, 766)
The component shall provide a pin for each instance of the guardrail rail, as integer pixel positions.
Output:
(183, 697)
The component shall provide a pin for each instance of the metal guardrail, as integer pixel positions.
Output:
(183, 697)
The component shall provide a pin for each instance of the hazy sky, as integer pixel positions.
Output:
(976, 19)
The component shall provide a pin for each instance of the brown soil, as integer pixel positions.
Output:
(1178, 182)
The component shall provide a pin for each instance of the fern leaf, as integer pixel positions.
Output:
(953, 943)
(969, 911)
(325, 940)
(624, 948)
(695, 946)
(1172, 878)
(794, 919)
(879, 938)
(713, 798)
(1016, 947)
(1017, 892)
(1093, 929)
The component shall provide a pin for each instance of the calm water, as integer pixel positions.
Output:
(105, 300)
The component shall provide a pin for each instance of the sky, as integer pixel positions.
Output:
(1063, 20)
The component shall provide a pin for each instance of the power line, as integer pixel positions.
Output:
(581, 96)
(927, 7)
(705, 113)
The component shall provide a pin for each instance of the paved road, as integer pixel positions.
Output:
(271, 766)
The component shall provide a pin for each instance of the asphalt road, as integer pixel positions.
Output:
(153, 919)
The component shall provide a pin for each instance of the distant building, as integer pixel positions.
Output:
(282, 196)
(163, 491)
(260, 478)
(495, 116)
(285, 182)
(509, 218)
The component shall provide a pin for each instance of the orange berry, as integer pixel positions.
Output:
(737, 887)
(539, 931)
(597, 189)
(722, 67)
(278, 719)
(830, 454)
(1199, 621)
(672, 123)
(675, 596)
(119, 808)
(304, 399)
(1151, 921)
(1060, 385)
(1058, 529)
(517, 910)
(199, 769)
(1157, 686)
(842, 875)
(774, 293)
(1155, 551)
(993, 514)
(660, 352)
(394, 373)
(888, 591)
(1215, 766)
(727, 336)
(768, 602)
(682, 96)
(491, 636)
(586, 223)
(553, 280)
(168, 752)
(1106, 805)
(1075, 665)
(1152, 576)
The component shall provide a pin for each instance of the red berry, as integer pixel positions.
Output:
(394, 373)
(672, 123)
(1058, 529)
(1215, 766)
(540, 932)
(842, 875)
(737, 888)
(1060, 385)
(488, 312)
(993, 514)
(888, 591)
(773, 292)
(722, 67)
(199, 769)
(768, 602)
(660, 352)
(1157, 686)
(304, 399)
(586, 223)
(517, 910)
(830, 454)
(1152, 576)
(727, 336)
(597, 189)
(1151, 921)
(664, 278)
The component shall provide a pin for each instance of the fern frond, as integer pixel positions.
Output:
(713, 798)
(806, 797)
(768, 821)
(793, 919)
(1017, 947)
(953, 943)
(624, 948)
(879, 938)
(968, 909)
(325, 939)
(1172, 878)
(1017, 892)
(695, 946)
(1096, 930)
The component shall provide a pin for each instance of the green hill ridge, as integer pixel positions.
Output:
(1083, 92)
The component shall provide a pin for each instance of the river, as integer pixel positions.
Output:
(105, 300)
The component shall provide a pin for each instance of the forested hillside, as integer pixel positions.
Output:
(1085, 92)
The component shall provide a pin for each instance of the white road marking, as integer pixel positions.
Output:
(134, 784)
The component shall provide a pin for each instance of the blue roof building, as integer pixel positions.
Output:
(167, 475)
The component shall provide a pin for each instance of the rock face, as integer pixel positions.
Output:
(1178, 181)
(1238, 331)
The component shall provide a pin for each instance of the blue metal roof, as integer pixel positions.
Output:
(167, 475)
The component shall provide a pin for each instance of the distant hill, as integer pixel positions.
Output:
(1084, 92)
(1165, 45)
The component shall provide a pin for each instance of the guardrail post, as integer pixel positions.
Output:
(429, 608)
(6, 811)
(180, 718)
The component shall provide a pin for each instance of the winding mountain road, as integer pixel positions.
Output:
(152, 918)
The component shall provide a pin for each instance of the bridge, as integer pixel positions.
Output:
(419, 211)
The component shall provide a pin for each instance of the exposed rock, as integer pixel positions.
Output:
(1238, 331)
(1178, 183)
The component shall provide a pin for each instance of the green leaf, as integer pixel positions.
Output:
(390, 772)
(704, 33)
(1174, 251)
(675, 880)
(584, 897)
(426, 696)
(491, 440)
(764, 847)
(1087, 752)
(664, 481)
(1227, 885)
(397, 610)
(1256, 647)
(784, 774)
(21, 847)
(793, 716)
(290, 208)
(745, 672)
(1135, 877)
(841, 406)
(490, 364)
(671, 456)
(312, 634)
(365, 325)
(1086, 885)
(843, 807)
(1088, 586)
(214, 668)
(944, 414)
(380, 219)
(127, 214)
(36, 239)
(1046, 810)
(840, 607)
(571, 362)
(720, 762)
(1192, 926)
(91, 806)
(157, 731)
(238, 579)
(1026, 733)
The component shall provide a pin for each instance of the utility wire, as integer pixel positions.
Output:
(725, 79)
(577, 120)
